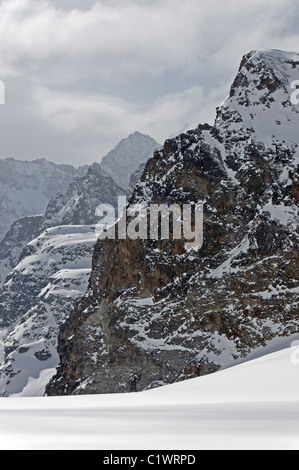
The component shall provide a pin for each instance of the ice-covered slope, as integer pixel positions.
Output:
(36, 300)
(254, 405)
(27, 187)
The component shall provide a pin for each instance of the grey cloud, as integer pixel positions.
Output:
(82, 75)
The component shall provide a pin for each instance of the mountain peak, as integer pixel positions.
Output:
(267, 69)
(169, 314)
(27, 186)
(259, 105)
(127, 157)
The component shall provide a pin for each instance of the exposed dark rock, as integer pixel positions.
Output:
(156, 313)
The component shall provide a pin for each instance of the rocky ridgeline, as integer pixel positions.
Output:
(62, 194)
(27, 187)
(52, 272)
(46, 261)
(155, 313)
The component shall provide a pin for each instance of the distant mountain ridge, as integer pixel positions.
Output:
(26, 187)
(58, 195)
(47, 260)
(127, 156)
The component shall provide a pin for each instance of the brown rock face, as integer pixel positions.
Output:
(156, 313)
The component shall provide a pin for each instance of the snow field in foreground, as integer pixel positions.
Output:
(254, 405)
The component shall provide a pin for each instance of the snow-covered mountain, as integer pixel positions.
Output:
(77, 204)
(37, 298)
(47, 260)
(20, 233)
(52, 272)
(27, 187)
(74, 204)
(127, 156)
(156, 313)
(250, 406)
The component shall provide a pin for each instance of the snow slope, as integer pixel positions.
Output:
(254, 405)
(37, 298)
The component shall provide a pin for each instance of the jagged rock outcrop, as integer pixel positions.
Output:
(135, 178)
(49, 274)
(77, 204)
(45, 263)
(155, 313)
(74, 204)
(21, 232)
(29, 188)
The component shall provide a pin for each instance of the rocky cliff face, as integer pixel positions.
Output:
(51, 256)
(74, 204)
(20, 233)
(77, 204)
(45, 265)
(156, 313)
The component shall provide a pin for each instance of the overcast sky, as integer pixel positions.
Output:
(80, 74)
